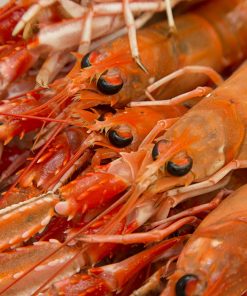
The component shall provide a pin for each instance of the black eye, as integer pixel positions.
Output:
(118, 140)
(109, 85)
(89, 59)
(155, 151)
(182, 283)
(179, 169)
(85, 62)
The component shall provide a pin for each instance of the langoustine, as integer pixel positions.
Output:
(235, 120)
(25, 58)
(182, 146)
(61, 22)
(213, 260)
(89, 284)
(176, 158)
(125, 133)
(47, 204)
(119, 80)
(155, 42)
(125, 80)
(45, 220)
(61, 208)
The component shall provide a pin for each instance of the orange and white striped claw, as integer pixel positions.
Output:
(22, 272)
(89, 191)
(21, 221)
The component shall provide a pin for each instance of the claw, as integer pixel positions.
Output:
(89, 192)
(20, 222)
(140, 64)
(14, 265)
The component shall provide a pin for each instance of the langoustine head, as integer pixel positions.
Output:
(213, 260)
(200, 143)
(117, 73)
(127, 128)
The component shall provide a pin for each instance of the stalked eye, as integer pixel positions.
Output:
(179, 167)
(157, 147)
(110, 83)
(120, 138)
(183, 283)
(89, 59)
(85, 62)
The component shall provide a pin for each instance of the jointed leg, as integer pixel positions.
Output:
(199, 92)
(161, 125)
(211, 73)
(87, 32)
(194, 210)
(146, 237)
(130, 22)
(31, 13)
(51, 67)
(170, 18)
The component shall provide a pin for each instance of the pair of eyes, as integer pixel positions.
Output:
(174, 168)
(106, 84)
(119, 137)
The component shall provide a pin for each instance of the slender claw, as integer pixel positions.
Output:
(170, 18)
(140, 64)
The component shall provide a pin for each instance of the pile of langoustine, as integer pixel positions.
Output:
(39, 35)
(106, 193)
